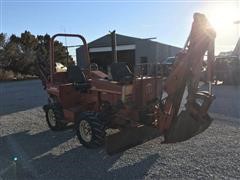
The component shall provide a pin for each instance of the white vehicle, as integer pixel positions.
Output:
(60, 67)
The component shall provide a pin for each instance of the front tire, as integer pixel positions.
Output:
(54, 117)
(90, 130)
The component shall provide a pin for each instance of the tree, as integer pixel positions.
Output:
(42, 56)
(4, 63)
(60, 53)
(12, 54)
(28, 44)
(20, 54)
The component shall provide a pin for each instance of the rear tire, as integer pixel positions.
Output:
(90, 129)
(55, 117)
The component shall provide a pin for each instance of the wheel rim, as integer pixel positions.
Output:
(51, 118)
(85, 131)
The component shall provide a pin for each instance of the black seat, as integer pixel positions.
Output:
(78, 78)
(121, 72)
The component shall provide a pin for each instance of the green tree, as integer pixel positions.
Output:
(20, 54)
(12, 54)
(42, 56)
(4, 63)
(28, 45)
(60, 53)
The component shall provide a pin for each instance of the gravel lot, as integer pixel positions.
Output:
(43, 154)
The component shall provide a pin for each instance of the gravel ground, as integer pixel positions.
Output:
(227, 100)
(43, 154)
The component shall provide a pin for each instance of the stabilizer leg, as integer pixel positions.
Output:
(130, 137)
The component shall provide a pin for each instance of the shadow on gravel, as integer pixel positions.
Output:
(25, 147)
(82, 163)
(36, 162)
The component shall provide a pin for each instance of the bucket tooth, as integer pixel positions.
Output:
(186, 126)
(130, 137)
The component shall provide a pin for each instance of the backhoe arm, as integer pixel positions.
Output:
(186, 73)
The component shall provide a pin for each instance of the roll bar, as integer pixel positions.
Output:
(51, 53)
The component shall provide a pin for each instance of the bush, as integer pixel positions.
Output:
(10, 75)
(19, 76)
(6, 75)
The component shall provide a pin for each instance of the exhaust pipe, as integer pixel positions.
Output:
(114, 46)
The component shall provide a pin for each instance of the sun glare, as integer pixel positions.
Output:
(222, 17)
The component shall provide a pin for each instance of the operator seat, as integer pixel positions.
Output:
(78, 78)
(121, 72)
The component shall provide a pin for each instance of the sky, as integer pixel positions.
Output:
(168, 21)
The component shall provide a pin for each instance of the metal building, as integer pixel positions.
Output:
(129, 49)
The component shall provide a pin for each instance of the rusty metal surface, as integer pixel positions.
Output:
(145, 88)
